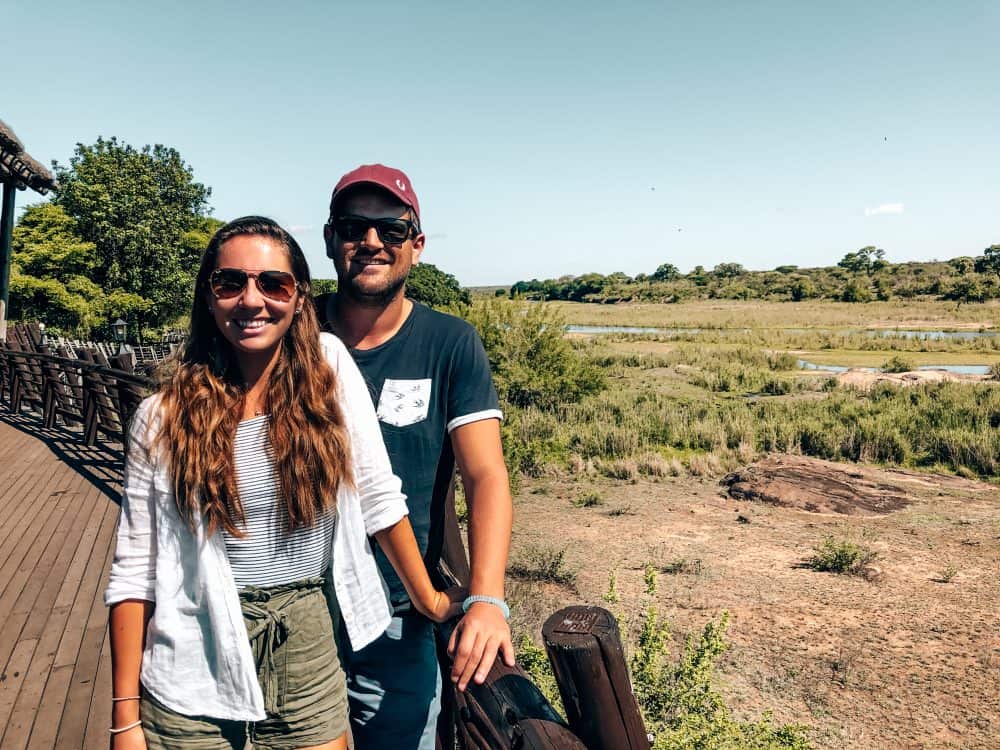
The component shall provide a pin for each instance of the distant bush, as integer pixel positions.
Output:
(898, 363)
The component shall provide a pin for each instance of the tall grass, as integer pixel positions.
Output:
(557, 405)
(937, 425)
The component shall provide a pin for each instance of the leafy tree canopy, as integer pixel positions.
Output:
(866, 260)
(138, 207)
(45, 244)
(729, 270)
(52, 271)
(432, 286)
(666, 272)
(990, 262)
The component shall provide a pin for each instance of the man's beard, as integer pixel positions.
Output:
(371, 297)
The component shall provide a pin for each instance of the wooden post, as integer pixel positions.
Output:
(6, 229)
(585, 648)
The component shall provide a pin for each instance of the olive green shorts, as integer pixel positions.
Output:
(305, 693)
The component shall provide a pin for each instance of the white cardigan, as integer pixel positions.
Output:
(197, 659)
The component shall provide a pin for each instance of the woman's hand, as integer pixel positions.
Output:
(446, 604)
(132, 739)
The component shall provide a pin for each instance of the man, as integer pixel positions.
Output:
(437, 406)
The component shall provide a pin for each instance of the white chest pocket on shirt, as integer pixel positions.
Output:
(404, 402)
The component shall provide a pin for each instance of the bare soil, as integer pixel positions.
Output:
(909, 658)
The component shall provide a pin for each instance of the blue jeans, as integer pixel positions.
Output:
(394, 687)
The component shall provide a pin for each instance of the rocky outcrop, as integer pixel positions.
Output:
(817, 486)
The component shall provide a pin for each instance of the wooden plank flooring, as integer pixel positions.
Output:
(58, 509)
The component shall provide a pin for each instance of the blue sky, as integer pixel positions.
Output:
(550, 138)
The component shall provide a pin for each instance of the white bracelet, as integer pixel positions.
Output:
(127, 698)
(469, 601)
(125, 728)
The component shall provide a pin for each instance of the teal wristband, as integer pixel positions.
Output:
(469, 601)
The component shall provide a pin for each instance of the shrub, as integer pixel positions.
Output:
(532, 363)
(683, 566)
(898, 363)
(622, 468)
(543, 563)
(589, 500)
(841, 556)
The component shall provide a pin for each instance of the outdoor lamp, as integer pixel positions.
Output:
(118, 328)
(42, 338)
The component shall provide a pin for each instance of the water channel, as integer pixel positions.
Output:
(805, 364)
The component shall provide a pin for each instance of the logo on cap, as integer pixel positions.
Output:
(401, 185)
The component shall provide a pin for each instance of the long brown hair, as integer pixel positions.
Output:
(202, 402)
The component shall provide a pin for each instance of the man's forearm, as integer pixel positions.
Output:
(490, 521)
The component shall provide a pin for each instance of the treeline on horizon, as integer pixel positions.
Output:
(861, 276)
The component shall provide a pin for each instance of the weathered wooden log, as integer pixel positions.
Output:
(585, 649)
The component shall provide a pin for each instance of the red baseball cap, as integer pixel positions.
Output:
(387, 178)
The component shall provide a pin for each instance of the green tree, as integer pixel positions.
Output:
(136, 206)
(866, 260)
(51, 275)
(432, 286)
(990, 262)
(45, 244)
(666, 272)
(728, 270)
(962, 265)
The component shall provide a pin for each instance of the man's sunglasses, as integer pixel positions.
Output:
(390, 231)
(227, 283)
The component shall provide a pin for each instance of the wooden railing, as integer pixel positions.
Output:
(506, 712)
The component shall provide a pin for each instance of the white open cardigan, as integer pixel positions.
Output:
(197, 659)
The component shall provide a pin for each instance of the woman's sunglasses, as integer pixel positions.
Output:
(227, 283)
(390, 231)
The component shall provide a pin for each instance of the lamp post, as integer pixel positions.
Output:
(118, 330)
(125, 354)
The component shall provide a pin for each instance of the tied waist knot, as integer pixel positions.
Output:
(267, 628)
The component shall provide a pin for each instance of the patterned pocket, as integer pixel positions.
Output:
(404, 402)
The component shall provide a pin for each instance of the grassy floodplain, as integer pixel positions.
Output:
(705, 401)
(757, 314)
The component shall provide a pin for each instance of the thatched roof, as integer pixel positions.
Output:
(19, 167)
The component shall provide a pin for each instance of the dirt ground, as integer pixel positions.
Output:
(907, 658)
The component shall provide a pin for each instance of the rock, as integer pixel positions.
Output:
(817, 486)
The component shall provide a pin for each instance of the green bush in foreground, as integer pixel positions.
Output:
(680, 704)
(842, 556)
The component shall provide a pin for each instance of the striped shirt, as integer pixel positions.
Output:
(269, 554)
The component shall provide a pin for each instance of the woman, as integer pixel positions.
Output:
(253, 478)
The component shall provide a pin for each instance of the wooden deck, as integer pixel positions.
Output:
(58, 509)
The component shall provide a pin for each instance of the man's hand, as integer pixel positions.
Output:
(475, 642)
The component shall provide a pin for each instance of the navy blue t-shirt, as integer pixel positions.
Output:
(428, 379)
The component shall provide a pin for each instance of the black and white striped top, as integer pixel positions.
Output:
(269, 555)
